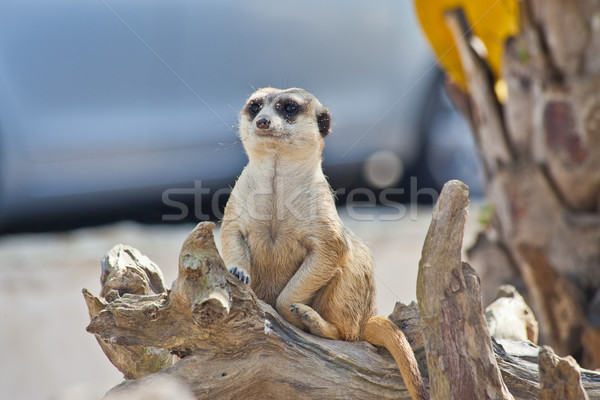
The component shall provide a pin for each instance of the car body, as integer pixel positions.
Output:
(112, 102)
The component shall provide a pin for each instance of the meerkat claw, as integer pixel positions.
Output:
(302, 311)
(240, 274)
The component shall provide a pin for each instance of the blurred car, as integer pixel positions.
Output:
(106, 104)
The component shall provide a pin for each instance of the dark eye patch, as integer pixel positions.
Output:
(253, 108)
(289, 109)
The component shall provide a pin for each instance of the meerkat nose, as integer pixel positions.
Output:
(263, 123)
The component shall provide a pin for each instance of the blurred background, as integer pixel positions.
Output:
(105, 105)
(116, 111)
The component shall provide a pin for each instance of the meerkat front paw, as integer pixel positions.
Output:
(240, 274)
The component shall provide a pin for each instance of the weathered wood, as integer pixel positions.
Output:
(246, 352)
(560, 378)
(126, 271)
(487, 116)
(517, 360)
(238, 347)
(459, 351)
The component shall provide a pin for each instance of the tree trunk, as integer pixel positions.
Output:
(541, 155)
(232, 345)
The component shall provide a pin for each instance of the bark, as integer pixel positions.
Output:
(560, 378)
(541, 155)
(232, 345)
(126, 270)
(448, 293)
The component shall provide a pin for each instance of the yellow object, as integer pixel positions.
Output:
(492, 21)
(501, 90)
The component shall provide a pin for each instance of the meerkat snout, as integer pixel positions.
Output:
(263, 123)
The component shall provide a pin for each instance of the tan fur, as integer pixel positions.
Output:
(282, 229)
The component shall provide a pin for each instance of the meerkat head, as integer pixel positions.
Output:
(282, 120)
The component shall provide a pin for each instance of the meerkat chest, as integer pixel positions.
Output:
(281, 207)
(281, 198)
(277, 250)
(278, 219)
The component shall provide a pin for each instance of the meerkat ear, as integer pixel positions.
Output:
(324, 121)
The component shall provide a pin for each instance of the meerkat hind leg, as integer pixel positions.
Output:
(315, 323)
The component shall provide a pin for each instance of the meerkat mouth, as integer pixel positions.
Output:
(265, 132)
(271, 133)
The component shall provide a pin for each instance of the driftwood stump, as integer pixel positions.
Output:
(232, 345)
(449, 296)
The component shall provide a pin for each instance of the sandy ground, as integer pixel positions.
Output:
(43, 314)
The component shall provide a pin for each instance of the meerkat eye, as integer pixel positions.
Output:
(254, 108)
(289, 107)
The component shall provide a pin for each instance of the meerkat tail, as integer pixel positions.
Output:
(380, 331)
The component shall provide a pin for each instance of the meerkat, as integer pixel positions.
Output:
(281, 232)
